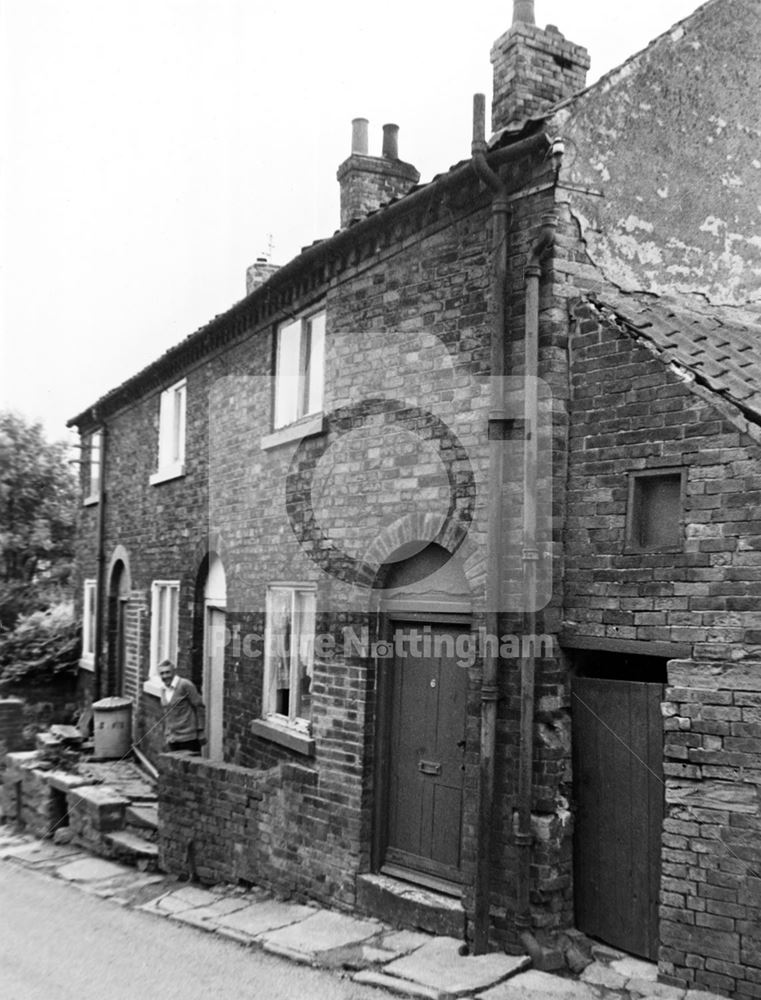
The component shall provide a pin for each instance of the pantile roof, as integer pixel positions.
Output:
(719, 348)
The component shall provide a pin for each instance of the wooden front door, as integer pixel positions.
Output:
(618, 780)
(426, 756)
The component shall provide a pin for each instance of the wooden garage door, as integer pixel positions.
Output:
(618, 779)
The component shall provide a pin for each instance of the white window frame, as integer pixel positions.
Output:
(172, 426)
(299, 385)
(89, 618)
(161, 591)
(94, 452)
(269, 692)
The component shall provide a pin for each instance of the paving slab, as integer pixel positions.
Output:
(91, 870)
(207, 917)
(440, 965)
(635, 968)
(533, 985)
(395, 985)
(647, 987)
(702, 995)
(403, 942)
(177, 900)
(260, 917)
(320, 932)
(41, 853)
(598, 974)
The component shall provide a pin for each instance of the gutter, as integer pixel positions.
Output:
(485, 168)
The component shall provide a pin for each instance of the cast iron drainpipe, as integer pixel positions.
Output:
(530, 556)
(97, 685)
(489, 687)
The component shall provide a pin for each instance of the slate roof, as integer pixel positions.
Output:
(721, 351)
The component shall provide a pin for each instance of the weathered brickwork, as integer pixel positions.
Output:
(711, 898)
(534, 68)
(629, 412)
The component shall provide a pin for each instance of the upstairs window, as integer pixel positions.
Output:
(165, 601)
(289, 656)
(92, 467)
(654, 514)
(89, 606)
(171, 433)
(299, 368)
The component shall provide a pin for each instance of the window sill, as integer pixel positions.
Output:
(646, 550)
(152, 686)
(89, 501)
(86, 663)
(306, 427)
(164, 475)
(290, 738)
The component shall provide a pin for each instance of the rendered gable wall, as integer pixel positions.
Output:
(671, 144)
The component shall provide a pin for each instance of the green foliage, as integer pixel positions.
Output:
(42, 646)
(38, 512)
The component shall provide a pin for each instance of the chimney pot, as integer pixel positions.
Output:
(391, 142)
(523, 11)
(359, 136)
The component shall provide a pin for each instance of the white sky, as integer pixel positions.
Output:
(149, 148)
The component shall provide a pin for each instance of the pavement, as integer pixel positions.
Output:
(404, 963)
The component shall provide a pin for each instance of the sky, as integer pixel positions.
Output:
(150, 150)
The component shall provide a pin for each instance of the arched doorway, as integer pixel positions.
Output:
(118, 595)
(423, 693)
(214, 631)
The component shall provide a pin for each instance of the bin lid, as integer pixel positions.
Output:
(111, 704)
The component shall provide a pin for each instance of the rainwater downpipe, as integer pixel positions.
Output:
(530, 557)
(483, 164)
(100, 574)
(500, 208)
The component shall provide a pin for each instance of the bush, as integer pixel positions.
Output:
(43, 646)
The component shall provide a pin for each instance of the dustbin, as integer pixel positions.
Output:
(112, 727)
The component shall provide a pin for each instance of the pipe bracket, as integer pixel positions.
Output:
(489, 692)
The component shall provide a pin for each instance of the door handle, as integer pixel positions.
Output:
(429, 767)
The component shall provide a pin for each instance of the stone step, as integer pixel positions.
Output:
(405, 905)
(142, 815)
(133, 849)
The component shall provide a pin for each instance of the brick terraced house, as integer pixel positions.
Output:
(456, 520)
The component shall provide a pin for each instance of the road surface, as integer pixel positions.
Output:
(57, 943)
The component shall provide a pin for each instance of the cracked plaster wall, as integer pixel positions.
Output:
(672, 140)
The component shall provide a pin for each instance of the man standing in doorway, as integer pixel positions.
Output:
(184, 712)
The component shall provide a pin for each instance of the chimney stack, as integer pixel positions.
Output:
(367, 182)
(259, 272)
(534, 68)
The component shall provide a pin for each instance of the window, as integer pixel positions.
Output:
(92, 467)
(171, 433)
(654, 515)
(165, 599)
(299, 368)
(88, 625)
(289, 656)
